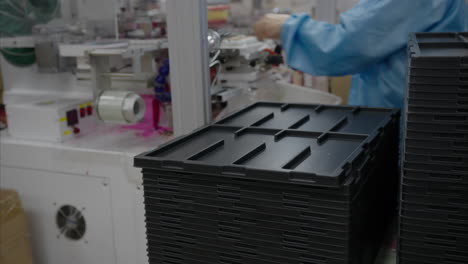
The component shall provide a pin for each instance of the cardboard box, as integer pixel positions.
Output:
(15, 247)
(340, 86)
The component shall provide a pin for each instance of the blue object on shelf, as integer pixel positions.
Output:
(160, 79)
(164, 70)
(160, 89)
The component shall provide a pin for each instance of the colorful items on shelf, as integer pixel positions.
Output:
(162, 87)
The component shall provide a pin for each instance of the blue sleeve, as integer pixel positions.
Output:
(366, 34)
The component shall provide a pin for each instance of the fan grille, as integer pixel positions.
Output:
(71, 222)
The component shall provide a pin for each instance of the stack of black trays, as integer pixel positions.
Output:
(434, 197)
(277, 184)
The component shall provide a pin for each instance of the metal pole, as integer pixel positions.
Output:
(187, 23)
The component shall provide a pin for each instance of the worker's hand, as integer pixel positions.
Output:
(269, 26)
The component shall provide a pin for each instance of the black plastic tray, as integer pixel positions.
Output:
(437, 143)
(269, 155)
(215, 232)
(438, 118)
(344, 193)
(454, 72)
(237, 195)
(460, 161)
(438, 239)
(159, 220)
(166, 254)
(424, 253)
(436, 185)
(234, 253)
(231, 192)
(461, 103)
(432, 127)
(248, 245)
(169, 257)
(263, 211)
(438, 50)
(439, 110)
(438, 88)
(437, 136)
(450, 168)
(279, 145)
(463, 80)
(436, 209)
(280, 194)
(408, 241)
(408, 259)
(286, 224)
(436, 201)
(183, 254)
(443, 193)
(315, 118)
(427, 229)
(438, 152)
(244, 217)
(436, 189)
(434, 176)
(429, 222)
(443, 217)
(253, 206)
(430, 95)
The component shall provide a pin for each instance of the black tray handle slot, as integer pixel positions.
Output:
(302, 177)
(235, 171)
(172, 165)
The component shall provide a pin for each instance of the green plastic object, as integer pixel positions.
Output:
(17, 18)
(20, 57)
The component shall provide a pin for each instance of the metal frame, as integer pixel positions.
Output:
(187, 24)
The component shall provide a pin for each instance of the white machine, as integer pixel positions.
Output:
(51, 119)
(72, 167)
(75, 174)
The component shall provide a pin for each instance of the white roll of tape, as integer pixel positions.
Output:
(120, 107)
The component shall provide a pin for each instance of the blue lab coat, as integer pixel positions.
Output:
(370, 43)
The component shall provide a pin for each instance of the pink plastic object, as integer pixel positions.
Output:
(149, 125)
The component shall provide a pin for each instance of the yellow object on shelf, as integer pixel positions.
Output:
(218, 14)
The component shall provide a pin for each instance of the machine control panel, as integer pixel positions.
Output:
(51, 119)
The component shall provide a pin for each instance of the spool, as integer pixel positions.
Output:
(120, 107)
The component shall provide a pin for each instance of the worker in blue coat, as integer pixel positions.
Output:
(369, 42)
